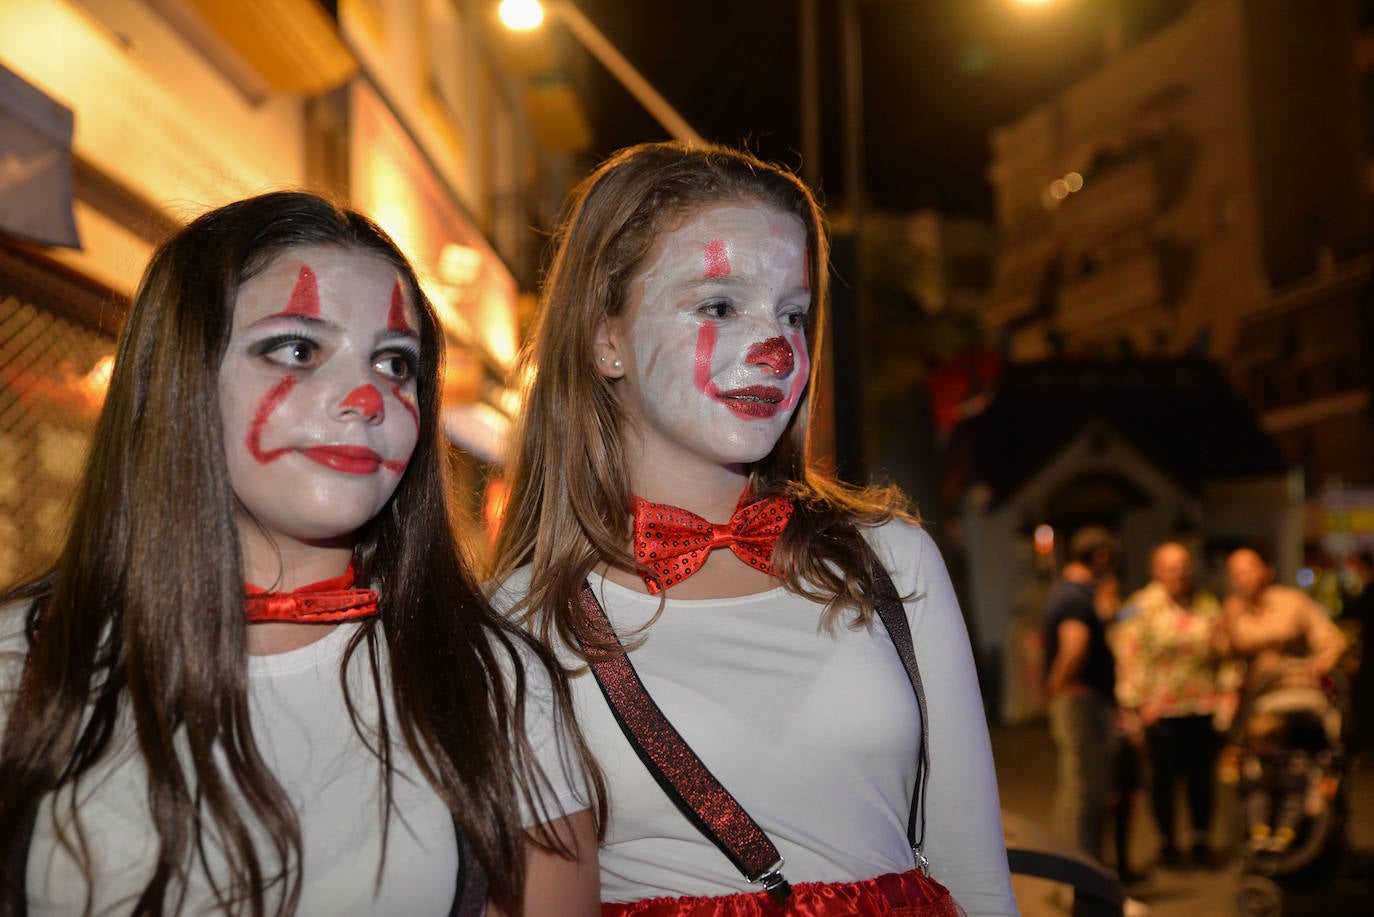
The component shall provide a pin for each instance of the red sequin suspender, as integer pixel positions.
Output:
(681, 774)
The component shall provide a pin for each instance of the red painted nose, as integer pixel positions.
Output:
(775, 353)
(365, 399)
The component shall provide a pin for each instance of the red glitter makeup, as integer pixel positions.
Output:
(701, 361)
(396, 315)
(366, 400)
(305, 296)
(775, 353)
(269, 402)
(753, 402)
(717, 259)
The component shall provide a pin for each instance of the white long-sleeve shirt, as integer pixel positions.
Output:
(309, 742)
(815, 733)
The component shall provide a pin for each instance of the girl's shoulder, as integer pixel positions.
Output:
(14, 648)
(898, 532)
(12, 616)
(13, 637)
(508, 591)
(904, 547)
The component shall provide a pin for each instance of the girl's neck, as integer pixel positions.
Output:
(661, 473)
(711, 496)
(282, 565)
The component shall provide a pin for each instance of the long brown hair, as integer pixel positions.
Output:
(142, 615)
(569, 487)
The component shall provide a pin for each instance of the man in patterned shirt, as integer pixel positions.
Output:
(1167, 682)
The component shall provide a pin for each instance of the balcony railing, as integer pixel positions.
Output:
(1115, 289)
(1111, 201)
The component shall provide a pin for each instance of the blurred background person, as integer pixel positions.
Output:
(1360, 609)
(1128, 751)
(1080, 684)
(1265, 624)
(1167, 684)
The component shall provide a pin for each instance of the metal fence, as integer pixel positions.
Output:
(51, 386)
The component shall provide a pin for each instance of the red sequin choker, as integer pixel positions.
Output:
(326, 602)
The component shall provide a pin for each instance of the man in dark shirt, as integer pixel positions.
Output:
(1360, 609)
(1080, 684)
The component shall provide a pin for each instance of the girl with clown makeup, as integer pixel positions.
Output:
(724, 606)
(259, 679)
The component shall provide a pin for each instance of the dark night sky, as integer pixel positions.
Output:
(938, 74)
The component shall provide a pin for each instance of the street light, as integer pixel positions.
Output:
(849, 319)
(522, 15)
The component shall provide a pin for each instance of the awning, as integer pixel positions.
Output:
(294, 45)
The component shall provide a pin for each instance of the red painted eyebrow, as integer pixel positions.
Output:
(305, 295)
(396, 315)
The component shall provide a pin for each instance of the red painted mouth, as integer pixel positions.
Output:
(753, 401)
(348, 459)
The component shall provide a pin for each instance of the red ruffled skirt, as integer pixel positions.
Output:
(906, 894)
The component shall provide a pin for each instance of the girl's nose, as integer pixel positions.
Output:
(365, 401)
(774, 353)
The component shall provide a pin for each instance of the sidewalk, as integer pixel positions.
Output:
(1025, 775)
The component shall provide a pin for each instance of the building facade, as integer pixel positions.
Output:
(1157, 204)
(1203, 194)
(1206, 192)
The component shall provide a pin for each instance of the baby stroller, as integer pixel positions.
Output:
(1289, 766)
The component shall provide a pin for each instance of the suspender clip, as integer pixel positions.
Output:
(773, 882)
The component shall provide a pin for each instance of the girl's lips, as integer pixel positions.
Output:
(753, 401)
(348, 459)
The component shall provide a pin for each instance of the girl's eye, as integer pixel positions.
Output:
(717, 310)
(795, 319)
(293, 353)
(396, 365)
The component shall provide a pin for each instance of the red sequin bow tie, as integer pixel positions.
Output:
(326, 602)
(673, 543)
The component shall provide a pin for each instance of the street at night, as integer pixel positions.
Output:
(675, 342)
(1025, 778)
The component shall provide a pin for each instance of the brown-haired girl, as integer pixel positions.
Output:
(761, 732)
(259, 679)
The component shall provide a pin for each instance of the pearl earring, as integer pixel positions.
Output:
(616, 365)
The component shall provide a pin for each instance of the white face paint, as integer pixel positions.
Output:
(713, 338)
(317, 393)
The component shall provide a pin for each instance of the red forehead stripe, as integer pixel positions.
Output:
(305, 296)
(396, 316)
(716, 258)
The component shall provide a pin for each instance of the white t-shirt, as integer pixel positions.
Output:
(814, 733)
(303, 729)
